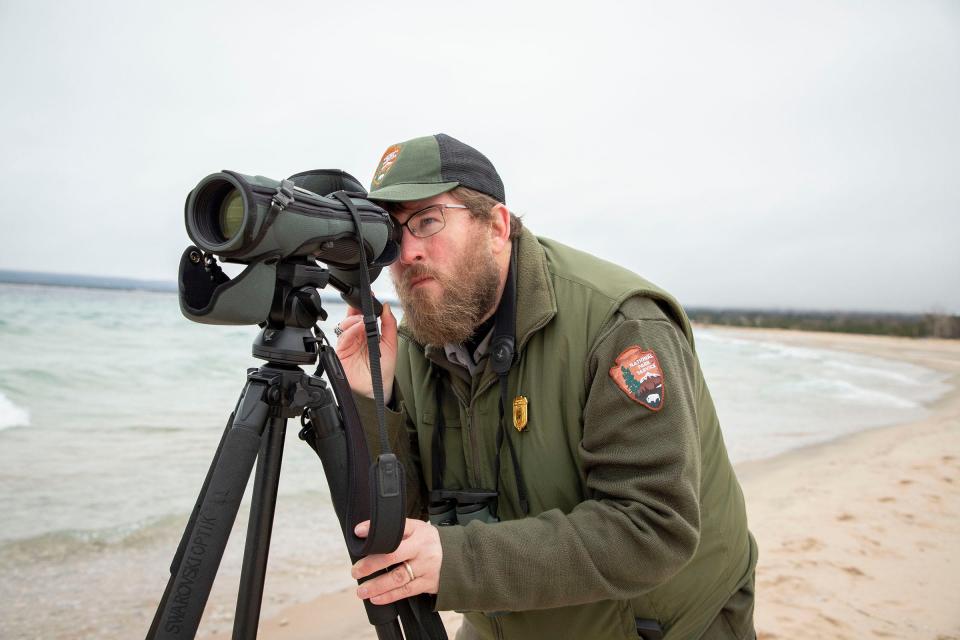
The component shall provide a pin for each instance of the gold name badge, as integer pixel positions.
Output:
(520, 413)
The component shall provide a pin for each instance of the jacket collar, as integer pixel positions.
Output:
(536, 298)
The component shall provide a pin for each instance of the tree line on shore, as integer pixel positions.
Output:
(926, 325)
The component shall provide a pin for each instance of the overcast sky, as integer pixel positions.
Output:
(767, 154)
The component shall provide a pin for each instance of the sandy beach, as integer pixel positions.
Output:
(858, 537)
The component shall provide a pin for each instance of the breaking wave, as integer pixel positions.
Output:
(12, 415)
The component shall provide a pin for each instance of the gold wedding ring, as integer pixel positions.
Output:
(409, 571)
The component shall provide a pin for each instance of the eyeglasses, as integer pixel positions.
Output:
(429, 221)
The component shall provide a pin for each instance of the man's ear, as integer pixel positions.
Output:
(500, 227)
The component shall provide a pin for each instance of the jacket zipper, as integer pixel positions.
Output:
(476, 480)
(474, 448)
(475, 477)
(472, 437)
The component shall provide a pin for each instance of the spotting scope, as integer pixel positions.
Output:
(313, 216)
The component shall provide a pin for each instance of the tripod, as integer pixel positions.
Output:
(273, 393)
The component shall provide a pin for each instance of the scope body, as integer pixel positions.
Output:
(262, 223)
(243, 218)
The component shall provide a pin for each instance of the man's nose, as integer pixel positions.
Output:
(411, 247)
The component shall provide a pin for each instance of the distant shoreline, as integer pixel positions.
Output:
(911, 325)
(903, 325)
(46, 279)
(107, 283)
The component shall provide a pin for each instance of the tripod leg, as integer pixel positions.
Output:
(257, 548)
(185, 538)
(179, 616)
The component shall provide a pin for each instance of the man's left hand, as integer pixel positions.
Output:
(420, 550)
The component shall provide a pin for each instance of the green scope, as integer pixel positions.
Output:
(264, 224)
(242, 218)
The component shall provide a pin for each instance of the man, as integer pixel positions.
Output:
(619, 513)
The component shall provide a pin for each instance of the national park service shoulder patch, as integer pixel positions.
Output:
(638, 374)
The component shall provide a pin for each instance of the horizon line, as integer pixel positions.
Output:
(88, 281)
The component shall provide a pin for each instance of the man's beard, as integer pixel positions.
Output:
(466, 294)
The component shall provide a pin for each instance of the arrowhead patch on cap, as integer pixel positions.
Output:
(639, 376)
(386, 162)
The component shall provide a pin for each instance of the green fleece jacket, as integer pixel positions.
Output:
(635, 511)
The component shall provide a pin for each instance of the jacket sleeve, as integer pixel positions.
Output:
(403, 442)
(641, 522)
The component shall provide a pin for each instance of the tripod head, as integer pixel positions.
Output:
(286, 337)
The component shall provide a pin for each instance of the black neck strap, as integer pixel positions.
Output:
(503, 344)
(503, 351)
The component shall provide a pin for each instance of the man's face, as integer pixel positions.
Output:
(447, 282)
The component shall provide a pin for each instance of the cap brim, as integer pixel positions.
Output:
(408, 192)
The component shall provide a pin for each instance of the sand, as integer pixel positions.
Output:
(859, 537)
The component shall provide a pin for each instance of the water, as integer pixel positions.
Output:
(772, 397)
(111, 406)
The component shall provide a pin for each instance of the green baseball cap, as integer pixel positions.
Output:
(425, 167)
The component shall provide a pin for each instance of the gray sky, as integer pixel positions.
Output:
(767, 154)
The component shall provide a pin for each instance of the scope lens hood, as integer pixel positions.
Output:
(218, 212)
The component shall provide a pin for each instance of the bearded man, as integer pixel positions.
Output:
(554, 424)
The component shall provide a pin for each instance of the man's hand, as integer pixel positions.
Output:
(352, 350)
(420, 550)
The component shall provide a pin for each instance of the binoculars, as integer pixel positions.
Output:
(462, 506)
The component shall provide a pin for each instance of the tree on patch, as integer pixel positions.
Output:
(632, 383)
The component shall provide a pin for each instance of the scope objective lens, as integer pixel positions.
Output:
(231, 214)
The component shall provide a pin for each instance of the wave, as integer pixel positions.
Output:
(56, 546)
(863, 368)
(763, 349)
(905, 374)
(847, 391)
(311, 511)
(12, 415)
